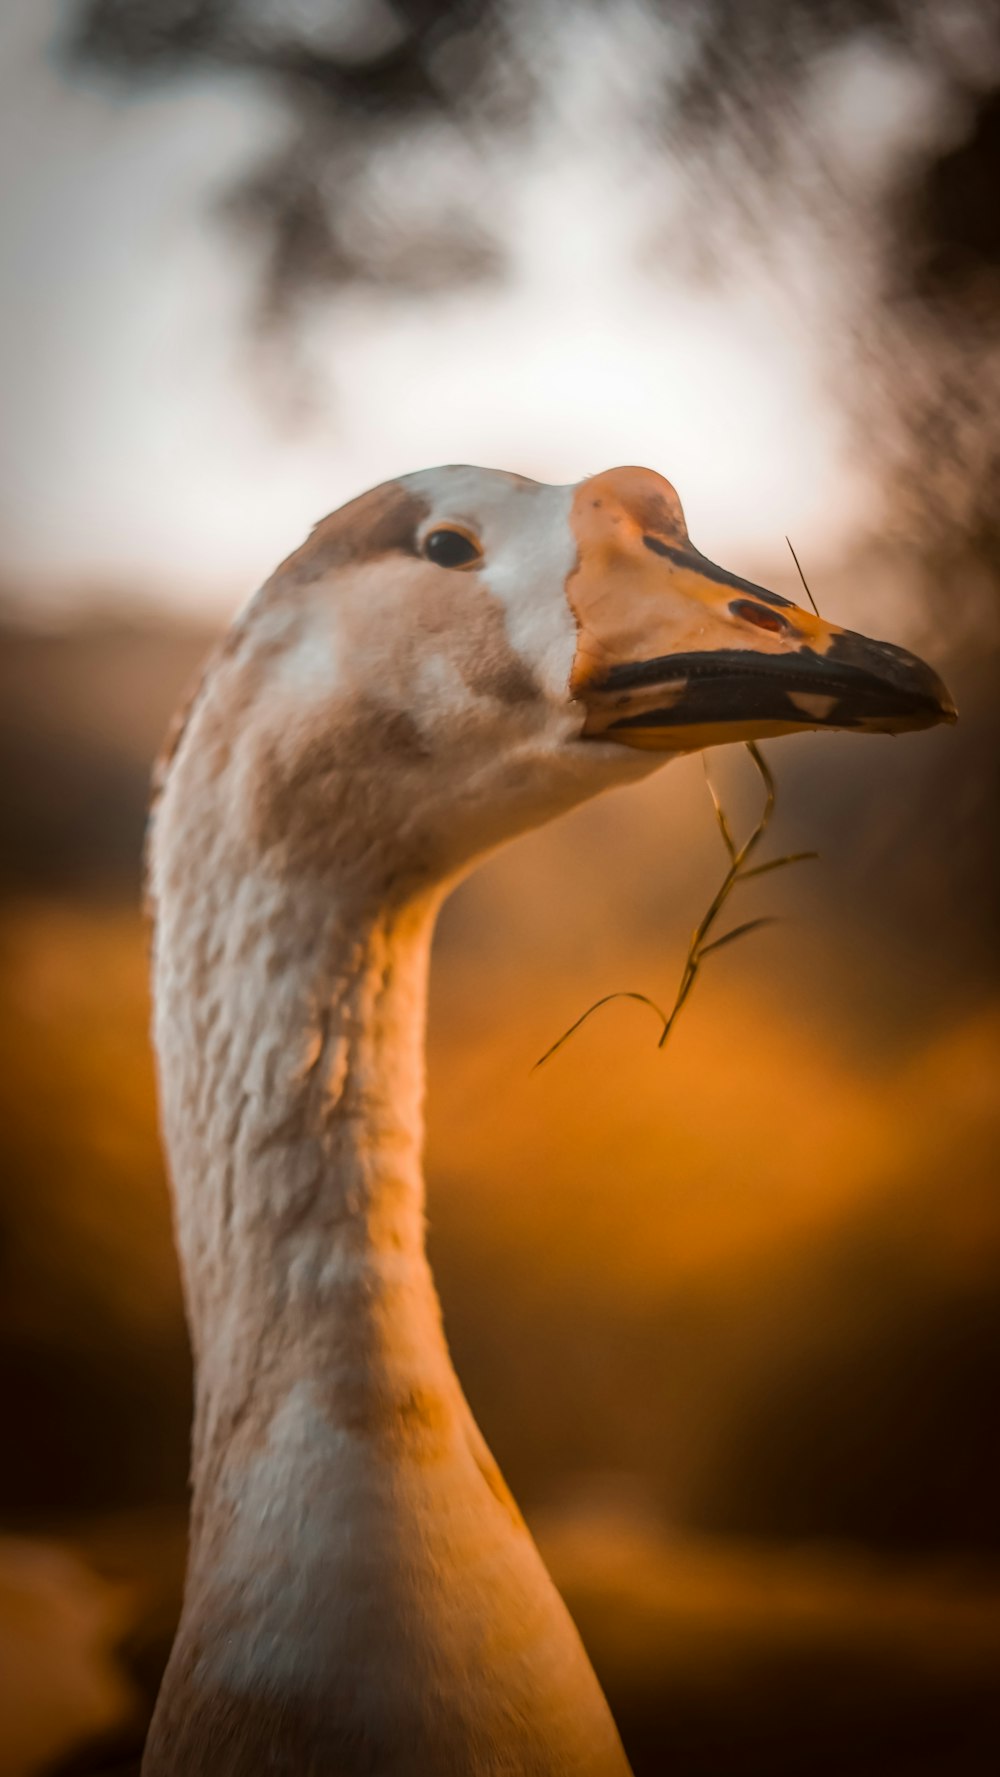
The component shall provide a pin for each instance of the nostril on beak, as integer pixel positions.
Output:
(759, 615)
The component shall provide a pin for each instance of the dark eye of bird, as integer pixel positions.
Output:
(450, 549)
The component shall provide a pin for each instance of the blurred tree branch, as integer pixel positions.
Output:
(440, 85)
(352, 79)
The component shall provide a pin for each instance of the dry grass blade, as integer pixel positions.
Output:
(699, 947)
(623, 993)
(720, 813)
(802, 577)
(792, 857)
(749, 925)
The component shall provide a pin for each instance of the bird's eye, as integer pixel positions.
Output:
(451, 549)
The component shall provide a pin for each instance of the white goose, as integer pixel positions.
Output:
(449, 660)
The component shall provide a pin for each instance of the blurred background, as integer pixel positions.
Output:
(729, 1314)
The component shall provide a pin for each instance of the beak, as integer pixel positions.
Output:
(676, 654)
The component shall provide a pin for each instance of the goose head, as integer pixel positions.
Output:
(461, 654)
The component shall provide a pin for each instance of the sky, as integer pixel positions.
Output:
(145, 456)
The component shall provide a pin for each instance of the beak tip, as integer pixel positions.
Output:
(947, 709)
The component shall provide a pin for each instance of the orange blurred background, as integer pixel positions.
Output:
(728, 1314)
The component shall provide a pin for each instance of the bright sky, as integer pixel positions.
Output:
(141, 457)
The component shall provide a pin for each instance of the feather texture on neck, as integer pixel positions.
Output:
(362, 1592)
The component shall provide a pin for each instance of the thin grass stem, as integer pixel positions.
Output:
(622, 994)
(699, 945)
(802, 577)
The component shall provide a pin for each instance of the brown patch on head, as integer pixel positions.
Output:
(503, 675)
(305, 564)
(303, 784)
(422, 669)
(381, 522)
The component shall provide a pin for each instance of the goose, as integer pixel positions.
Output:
(455, 657)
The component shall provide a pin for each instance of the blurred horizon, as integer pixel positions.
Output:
(589, 338)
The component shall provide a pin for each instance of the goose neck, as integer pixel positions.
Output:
(291, 1040)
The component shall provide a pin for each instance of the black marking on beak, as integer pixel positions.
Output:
(691, 558)
(749, 611)
(862, 683)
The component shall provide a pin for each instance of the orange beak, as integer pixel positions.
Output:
(675, 653)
